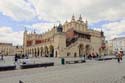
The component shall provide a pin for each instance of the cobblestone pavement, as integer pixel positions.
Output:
(89, 72)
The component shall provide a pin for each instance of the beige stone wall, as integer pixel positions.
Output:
(76, 25)
(58, 40)
(96, 43)
(7, 50)
(59, 43)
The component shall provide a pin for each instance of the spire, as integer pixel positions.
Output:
(25, 31)
(80, 18)
(54, 26)
(102, 33)
(86, 21)
(66, 21)
(73, 17)
(34, 31)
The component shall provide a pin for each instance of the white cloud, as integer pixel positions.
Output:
(92, 10)
(41, 27)
(10, 36)
(115, 29)
(17, 9)
(61, 10)
(54, 10)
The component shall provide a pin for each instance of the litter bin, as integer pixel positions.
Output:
(62, 61)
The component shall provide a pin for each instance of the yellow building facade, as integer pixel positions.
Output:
(6, 49)
(72, 39)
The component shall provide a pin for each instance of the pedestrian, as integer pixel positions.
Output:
(15, 58)
(119, 56)
(2, 57)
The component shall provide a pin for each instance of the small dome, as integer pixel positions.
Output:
(59, 28)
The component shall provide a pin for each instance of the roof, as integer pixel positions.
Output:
(118, 38)
(85, 33)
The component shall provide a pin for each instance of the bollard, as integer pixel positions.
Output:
(21, 81)
(62, 61)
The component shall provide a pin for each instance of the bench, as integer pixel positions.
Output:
(27, 66)
(102, 59)
(8, 67)
(75, 61)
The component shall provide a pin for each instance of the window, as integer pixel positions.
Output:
(68, 54)
(75, 54)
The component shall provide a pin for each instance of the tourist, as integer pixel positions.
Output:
(16, 58)
(119, 56)
(2, 57)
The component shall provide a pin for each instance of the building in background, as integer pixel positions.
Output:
(6, 49)
(118, 44)
(109, 46)
(72, 39)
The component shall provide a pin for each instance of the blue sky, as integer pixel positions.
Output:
(43, 14)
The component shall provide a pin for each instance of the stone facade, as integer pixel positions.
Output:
(72, 39)
(6, 49)
(118, 44)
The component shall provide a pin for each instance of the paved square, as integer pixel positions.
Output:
(89, 72)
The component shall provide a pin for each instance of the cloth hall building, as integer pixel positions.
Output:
(72, 39)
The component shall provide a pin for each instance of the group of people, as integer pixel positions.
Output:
(93, 55)
(17, 57)
(119, 56)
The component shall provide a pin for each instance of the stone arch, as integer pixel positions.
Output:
(29, 51)
(46, 51)
(41, 48)
(32, 51)
(75, 54)
(81, 50)
(87, 49)
(51, 50)
(56, 53)
(37, 51)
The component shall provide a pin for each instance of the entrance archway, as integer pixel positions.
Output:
(87, 49)
(51, 51)
(41, 51)
(46, 51)
(35, 52)
(81, 50)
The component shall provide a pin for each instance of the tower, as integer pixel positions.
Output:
(24, 37)
(24, 40)
(59, 42)
(80, 18)
(73, 18)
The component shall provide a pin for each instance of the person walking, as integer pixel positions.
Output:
(119, 56)
(15, 59)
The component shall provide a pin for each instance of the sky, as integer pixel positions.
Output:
(42, 15)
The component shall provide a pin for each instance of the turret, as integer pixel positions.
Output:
(73, 18)
(25, 39)
(80, 18)
(102, 33)
(25, 32)
(34, 31)
(86, 23)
